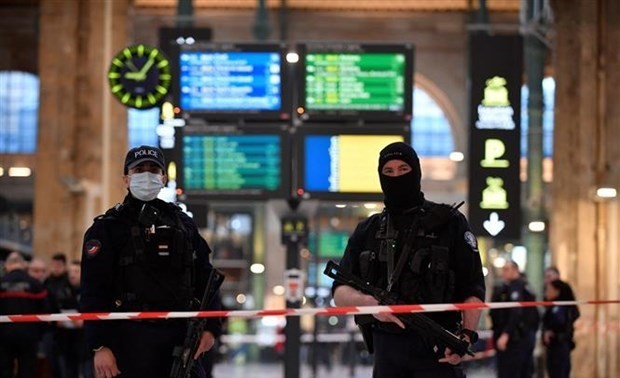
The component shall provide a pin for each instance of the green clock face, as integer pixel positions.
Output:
(139, 76)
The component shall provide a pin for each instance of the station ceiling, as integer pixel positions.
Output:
(352, 5)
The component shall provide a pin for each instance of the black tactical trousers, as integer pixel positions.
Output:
(408, 356)
(517, 361)
(145, 348)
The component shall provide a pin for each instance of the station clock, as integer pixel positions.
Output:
(139, 76)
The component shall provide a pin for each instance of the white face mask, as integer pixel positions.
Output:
(145, 186)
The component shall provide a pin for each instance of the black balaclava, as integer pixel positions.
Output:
(403, 192)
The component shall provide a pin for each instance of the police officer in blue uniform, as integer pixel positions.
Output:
(143, 255)
(425, 253)
(514, 329)
(558, 328)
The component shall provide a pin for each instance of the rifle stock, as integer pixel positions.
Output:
(419, 322)
(184, 355)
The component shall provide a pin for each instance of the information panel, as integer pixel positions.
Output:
(233, 80)
(342, 166)
(363, 81)
(344, 81)
(234, 164)
(495, 135)
(332, 244)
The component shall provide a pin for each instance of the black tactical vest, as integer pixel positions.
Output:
(155, 263)
(427, 276)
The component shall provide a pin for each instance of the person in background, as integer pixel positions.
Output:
(558, 329)
(61, 297)
(551, 274)
(20, 294)
(76, 360)
(37, 268)
(439, 263)
(143, 254)
(514, 329)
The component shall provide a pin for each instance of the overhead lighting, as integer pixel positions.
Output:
(606, 192)
(257, 268)
(278, 290)
(341, 205)
(370, 205)
(536, 226)
(499, 262)
(19, 172)
(457, 156)
(241, 298)
(292, 57)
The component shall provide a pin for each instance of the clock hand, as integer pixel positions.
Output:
(132, 66)
(133, 76)
(140, 75)
(147, 66)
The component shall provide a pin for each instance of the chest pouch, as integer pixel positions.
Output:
(429, 278)
(156, 270)
(165, 250)
(367, 265)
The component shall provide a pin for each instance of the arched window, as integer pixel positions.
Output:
(431, 135)
(142, 126)
(548, 106)
(19, 112)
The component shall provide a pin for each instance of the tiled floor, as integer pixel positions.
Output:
(229, 370)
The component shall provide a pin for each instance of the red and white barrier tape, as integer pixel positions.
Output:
(351, 310)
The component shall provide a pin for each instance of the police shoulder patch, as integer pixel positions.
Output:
(92, 248)
(470, 239)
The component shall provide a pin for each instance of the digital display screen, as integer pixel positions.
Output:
(357, 81)
(343, 163)
(332, 244)
(230, 81)
(232, 164)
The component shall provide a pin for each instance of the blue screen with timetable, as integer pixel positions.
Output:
(230, 81)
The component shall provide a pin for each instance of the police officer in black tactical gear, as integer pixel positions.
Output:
(425, 253)
(143, 255)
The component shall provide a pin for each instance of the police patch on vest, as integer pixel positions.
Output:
(92, 248)
(470, 239)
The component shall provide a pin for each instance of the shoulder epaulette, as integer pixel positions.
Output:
(111, 212)
(438, 214)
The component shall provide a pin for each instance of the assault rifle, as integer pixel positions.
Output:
(419, 322)
(184, 355)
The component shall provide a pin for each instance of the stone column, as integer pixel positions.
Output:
(82, 129)
(583, 229)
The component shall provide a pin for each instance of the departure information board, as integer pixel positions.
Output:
(332, 243)
(342, 163)
(230, 81)
(248, 163)
(355, 81)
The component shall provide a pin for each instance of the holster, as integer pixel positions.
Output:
(364, 322)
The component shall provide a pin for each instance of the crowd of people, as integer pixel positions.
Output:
(45, 350)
